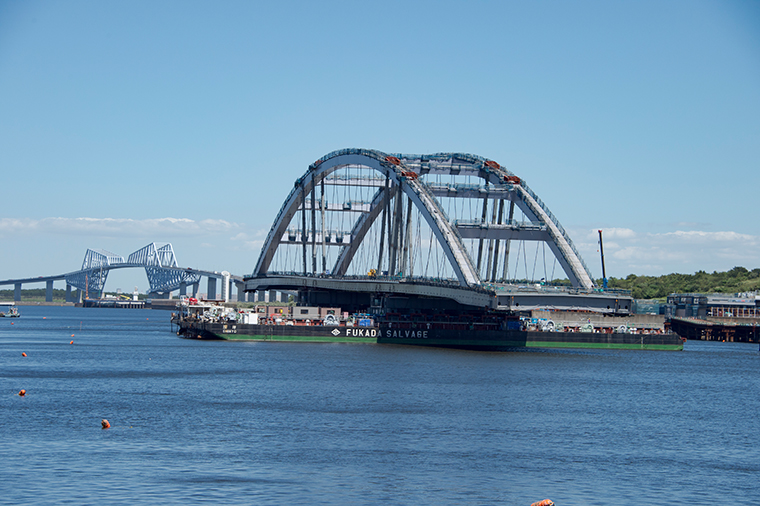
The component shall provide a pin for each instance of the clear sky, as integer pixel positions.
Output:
(125, 123)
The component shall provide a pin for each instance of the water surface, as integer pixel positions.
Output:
(297, 423)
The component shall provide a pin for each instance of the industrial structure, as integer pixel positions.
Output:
(714, 316)
(362, 224)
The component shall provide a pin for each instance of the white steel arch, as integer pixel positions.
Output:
(400, 174)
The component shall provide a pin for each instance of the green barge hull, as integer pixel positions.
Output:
(483, 340)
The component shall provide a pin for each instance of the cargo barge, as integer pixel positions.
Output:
(497, 333)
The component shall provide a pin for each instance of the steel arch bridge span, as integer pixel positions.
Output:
(394, 181)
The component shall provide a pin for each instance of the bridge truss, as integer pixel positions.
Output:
(161, 268)
(91, 278)
(447, 216)
(160, 265)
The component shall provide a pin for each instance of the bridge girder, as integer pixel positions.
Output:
(402, 173)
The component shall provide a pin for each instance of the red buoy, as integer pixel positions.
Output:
(105, 424)
(22, 393)
(23, 354)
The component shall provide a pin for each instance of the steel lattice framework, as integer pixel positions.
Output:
(95, 268)
(161, 268)
(160, 265)
(475, 243)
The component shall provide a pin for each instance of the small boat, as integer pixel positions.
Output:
(12, 311)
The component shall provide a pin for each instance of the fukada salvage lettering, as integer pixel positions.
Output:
(401, 334)
(354, 332)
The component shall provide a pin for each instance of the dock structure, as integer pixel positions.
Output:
(715, 316)
(717, 329)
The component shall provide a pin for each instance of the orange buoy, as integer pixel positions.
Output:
(44, 317)
(71, 342)
(11, 323)
(23, 354)
(545, 502)
(22, 393)
(105, 424)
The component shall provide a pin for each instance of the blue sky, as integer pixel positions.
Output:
(125, 123)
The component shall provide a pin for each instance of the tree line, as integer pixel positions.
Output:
(736, 280)
(59, 295)
(33, 294)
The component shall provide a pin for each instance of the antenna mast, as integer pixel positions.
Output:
(604, 273)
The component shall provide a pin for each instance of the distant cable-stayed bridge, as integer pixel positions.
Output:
(160, 264)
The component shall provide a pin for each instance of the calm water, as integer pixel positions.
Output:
(271, 423)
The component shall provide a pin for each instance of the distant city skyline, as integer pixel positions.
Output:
(124, 124)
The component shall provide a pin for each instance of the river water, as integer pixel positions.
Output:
(295, 423)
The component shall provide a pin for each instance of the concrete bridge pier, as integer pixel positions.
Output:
(17, 292)
(261, 296)
(182, 289)
(69, 297)
(273, 296)
(240, 287)
(49, 291)
(211, 288)
(195, 288)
